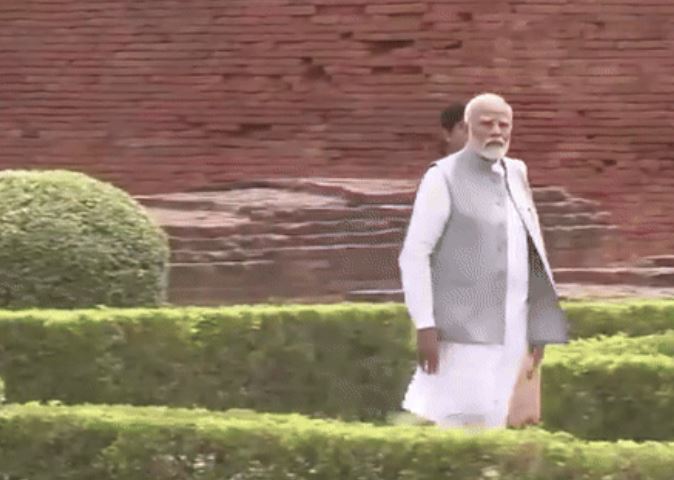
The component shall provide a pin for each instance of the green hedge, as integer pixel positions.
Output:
(604, 396)
(106, 443)
(657, 344)
(350, 361)
(68, 240)
(325, 360)
(632, 317)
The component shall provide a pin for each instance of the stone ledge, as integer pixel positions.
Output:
(638, 276)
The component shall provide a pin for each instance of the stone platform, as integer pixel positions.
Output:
(316, 239)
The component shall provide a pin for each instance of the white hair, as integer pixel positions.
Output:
(483, 98)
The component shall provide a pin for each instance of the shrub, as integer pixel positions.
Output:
(656, 344)
(609, 396)
(633, 317)
(42, 443)
(348, 362)
(68, 240)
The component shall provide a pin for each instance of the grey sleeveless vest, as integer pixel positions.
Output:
(468, 265)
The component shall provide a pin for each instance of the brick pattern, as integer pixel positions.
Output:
(173, 95)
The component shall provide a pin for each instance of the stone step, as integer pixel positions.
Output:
(574, 205)
(574, 219)
(229, 255)
(353, 262)
(184, 230)
(247, 281)
(212, 232)
(394, 194)
(215, 235)
(181, 202)
(294, 268)
(386, 236)
(351, 189)
(321, 237)
(565, 244)
(657, 261)
(563, 213)
(227, 275)
(185, 250)
(328, 213)
(401, 213)
(227, 201)
(577, 236)
(315, 246)
(362, 273)
(376, 295)
(546, 198)
(197, 244)
(549, 194)
(206, 296)
(653, 277)
(599, 255)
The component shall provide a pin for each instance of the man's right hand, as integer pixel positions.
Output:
(427, 349)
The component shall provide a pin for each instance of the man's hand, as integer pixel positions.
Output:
(537, 352)
(427, 349)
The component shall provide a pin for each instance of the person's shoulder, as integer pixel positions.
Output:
(436, 172)
(446, 161)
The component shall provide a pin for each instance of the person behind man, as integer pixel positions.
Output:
(454, 130)
(476, 278)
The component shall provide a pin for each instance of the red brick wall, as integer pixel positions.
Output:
(169, 95)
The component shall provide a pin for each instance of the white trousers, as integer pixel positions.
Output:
(474, 383)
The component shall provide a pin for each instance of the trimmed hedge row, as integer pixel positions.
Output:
(631, 317)
(658, 344)
(106, 443)
(324, 360)
(603, 396)
(348, 361)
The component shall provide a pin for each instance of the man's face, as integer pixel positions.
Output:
(456, 138)
(490, 127)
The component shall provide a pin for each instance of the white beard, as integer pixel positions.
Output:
(494, 151)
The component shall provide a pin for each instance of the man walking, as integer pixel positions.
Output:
(476, 278)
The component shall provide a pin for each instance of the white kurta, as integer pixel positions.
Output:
(473, 383)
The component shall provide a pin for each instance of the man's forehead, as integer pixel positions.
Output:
(493, 114)
(492, 111)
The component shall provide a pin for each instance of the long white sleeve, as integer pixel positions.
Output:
(429, 216)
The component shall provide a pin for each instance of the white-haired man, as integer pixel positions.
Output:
(476, 278)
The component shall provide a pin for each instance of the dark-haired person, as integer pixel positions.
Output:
(454, 130)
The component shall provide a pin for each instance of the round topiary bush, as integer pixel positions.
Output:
(70, 241)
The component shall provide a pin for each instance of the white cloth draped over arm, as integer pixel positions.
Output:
(429, 216)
